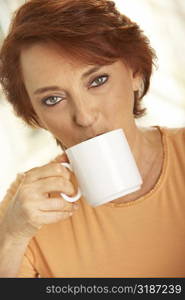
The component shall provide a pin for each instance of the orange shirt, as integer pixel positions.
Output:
(143, 238)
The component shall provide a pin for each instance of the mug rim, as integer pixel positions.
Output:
(95, 137)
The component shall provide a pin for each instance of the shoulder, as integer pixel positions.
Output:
(175, 136)
(161, 134)
(178, 132)
(174, 143)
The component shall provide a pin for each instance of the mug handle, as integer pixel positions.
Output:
(78, 195)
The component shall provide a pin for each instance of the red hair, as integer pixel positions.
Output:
(92, 31)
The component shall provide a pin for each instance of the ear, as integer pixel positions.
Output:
(136, 81)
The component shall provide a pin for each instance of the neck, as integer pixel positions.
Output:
(146, 147)
(145, 144)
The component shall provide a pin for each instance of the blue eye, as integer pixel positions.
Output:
(99, 80)
(51, 101)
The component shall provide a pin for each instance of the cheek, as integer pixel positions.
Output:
(51, 123)
(56, 124)
(47, 121)
(120, 100)
(119, 104)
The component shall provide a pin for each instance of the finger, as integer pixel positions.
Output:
(54, 184)
(49, 170)
(57, 204)
(53, 217)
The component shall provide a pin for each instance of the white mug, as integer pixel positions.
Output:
(105, 168)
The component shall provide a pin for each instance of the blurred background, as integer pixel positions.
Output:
(22, 148)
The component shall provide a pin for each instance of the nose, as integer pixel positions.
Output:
(84, 115)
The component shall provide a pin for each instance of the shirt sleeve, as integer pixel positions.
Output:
(27, 269)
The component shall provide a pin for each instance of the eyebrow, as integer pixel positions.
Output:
(91, 71)
(57, 88)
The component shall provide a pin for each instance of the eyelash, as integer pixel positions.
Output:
(100, 77)
(51, 97)
(96, 86)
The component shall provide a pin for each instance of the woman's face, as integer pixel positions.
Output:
(76, 101)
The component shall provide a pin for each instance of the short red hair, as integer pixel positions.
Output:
(92, 31)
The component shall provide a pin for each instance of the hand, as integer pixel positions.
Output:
(38, 201)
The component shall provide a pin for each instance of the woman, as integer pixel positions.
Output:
(77, 69)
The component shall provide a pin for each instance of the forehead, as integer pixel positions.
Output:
(50, 53)
(44, 64)
(46, 55)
